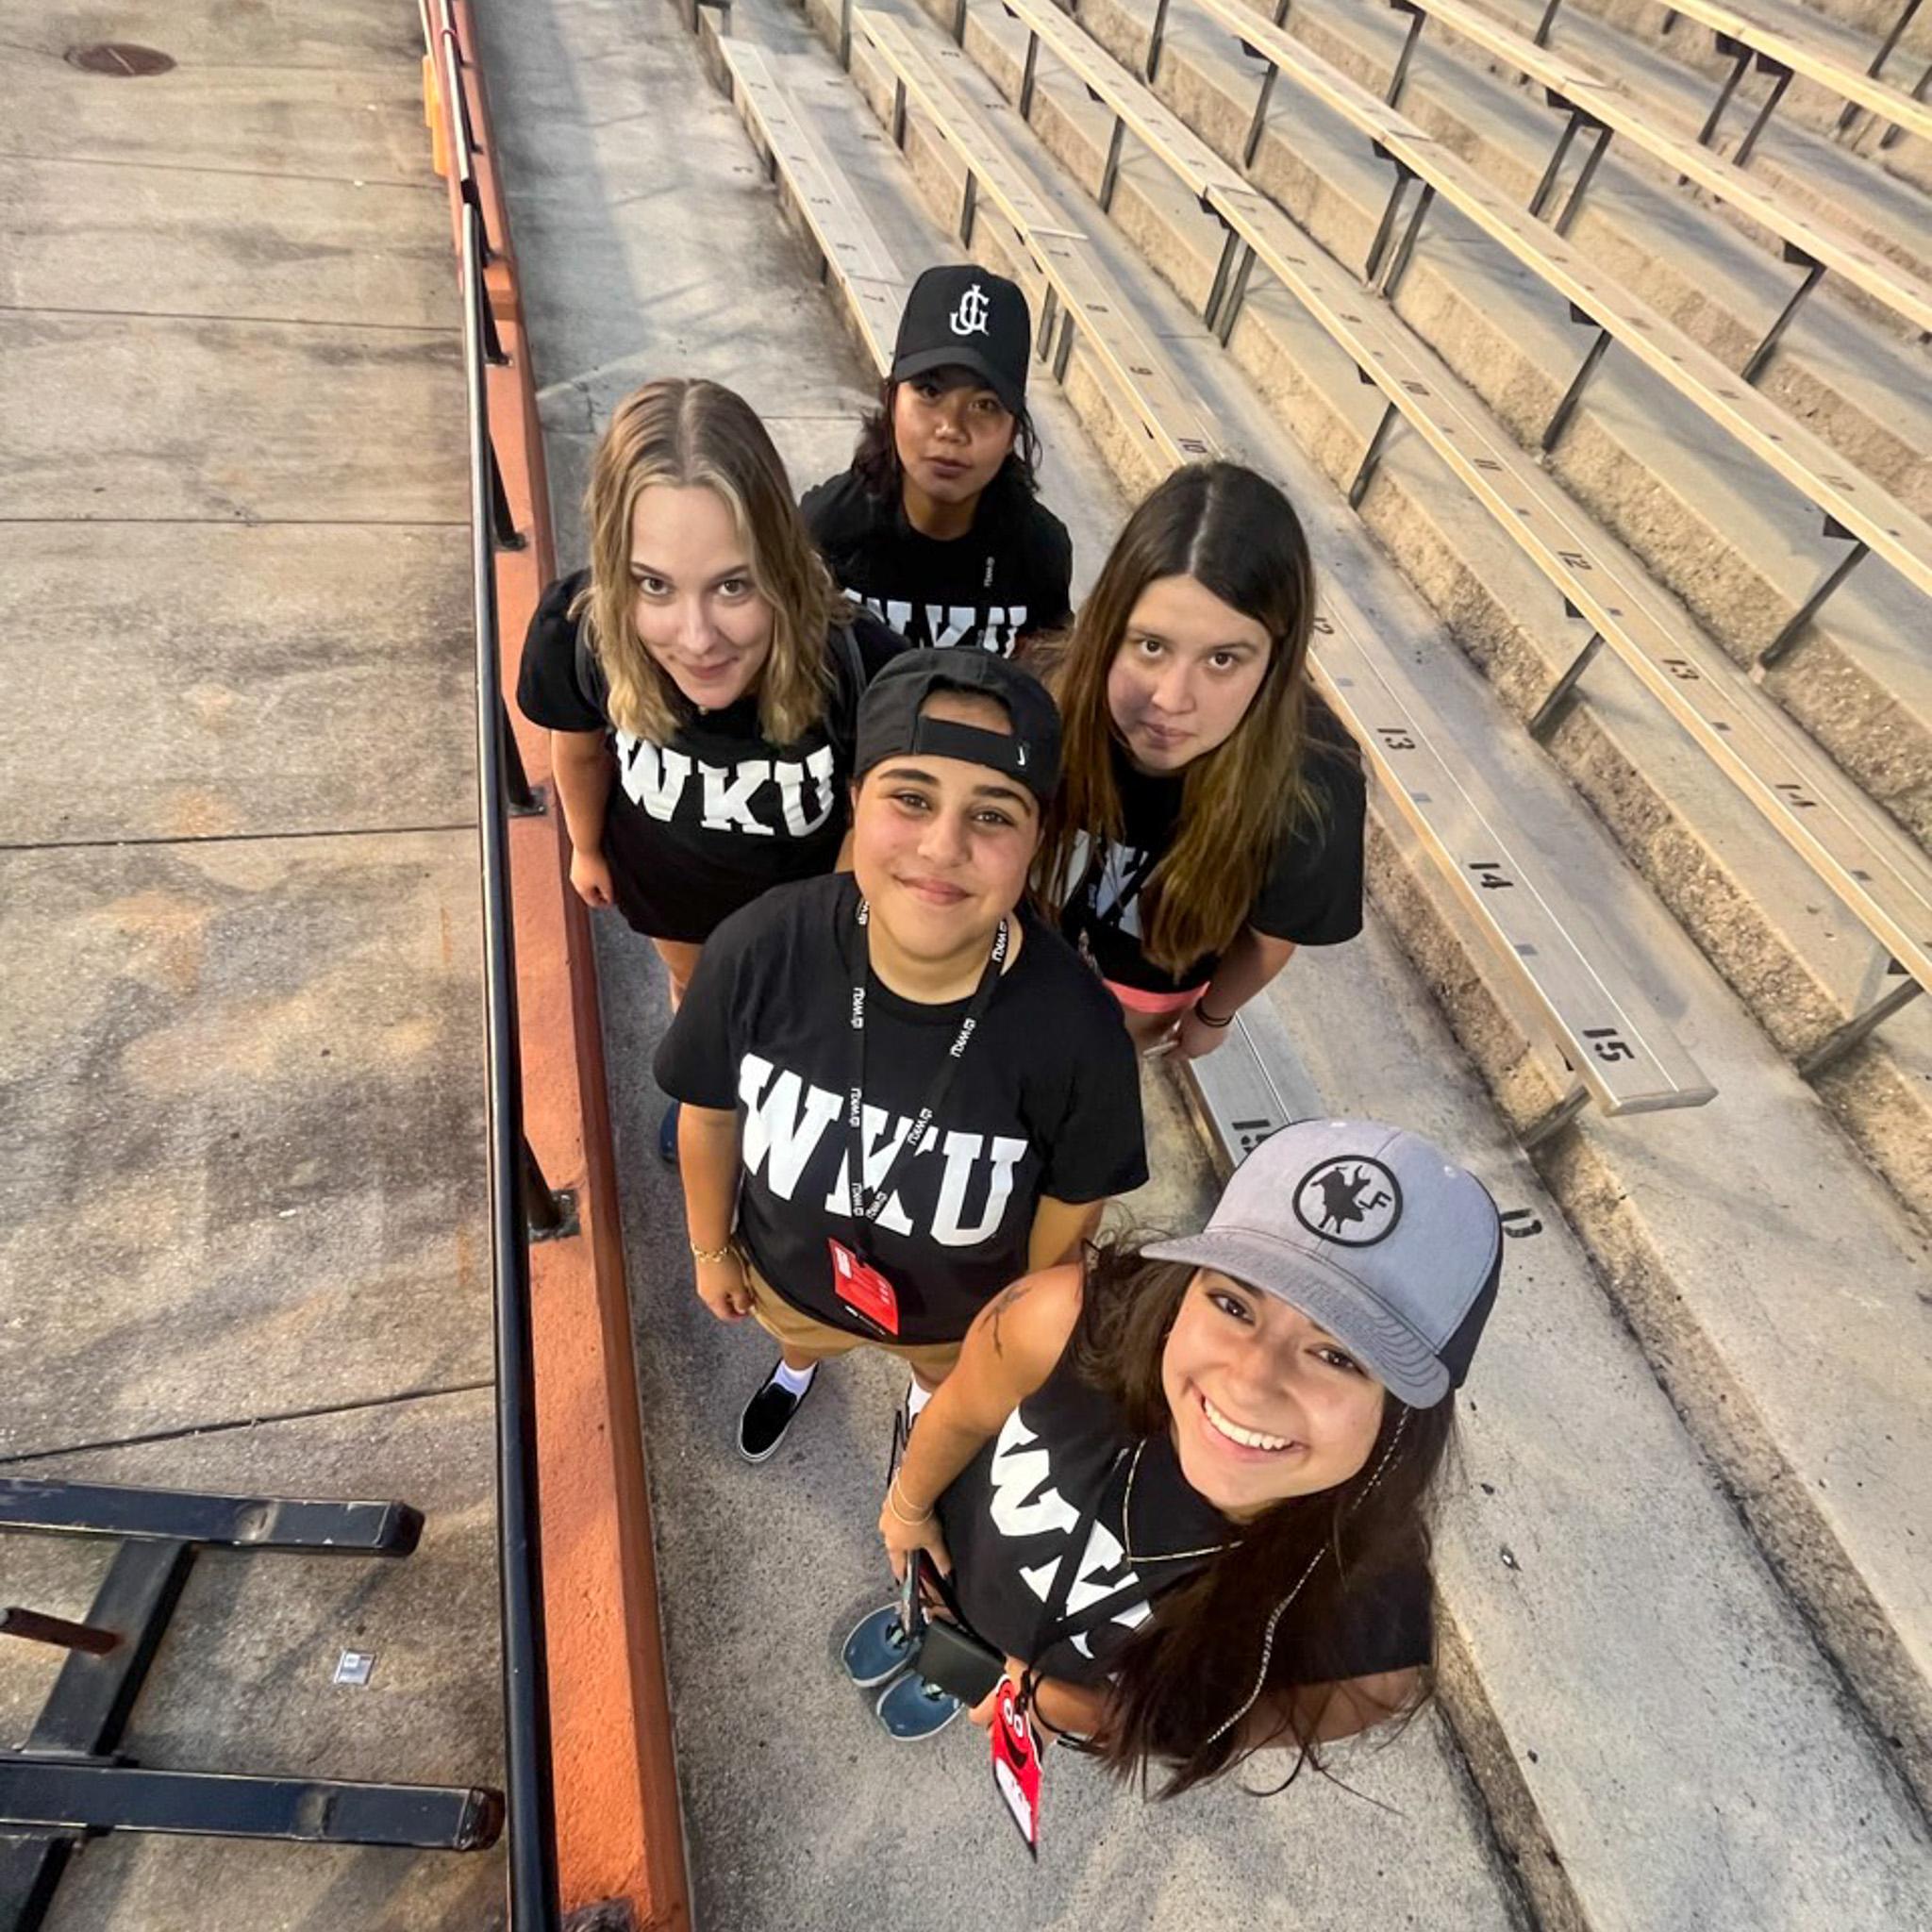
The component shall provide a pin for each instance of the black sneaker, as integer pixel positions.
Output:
(768, 1415)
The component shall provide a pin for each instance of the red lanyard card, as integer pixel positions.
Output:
(1016, 1763)
(862, 1288)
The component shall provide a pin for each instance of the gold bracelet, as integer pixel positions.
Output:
(911, 1522)
(698, 1254)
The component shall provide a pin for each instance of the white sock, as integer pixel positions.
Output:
(916, 1399)
(796, 1380)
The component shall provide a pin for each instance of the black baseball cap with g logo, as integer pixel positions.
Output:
(967, 318)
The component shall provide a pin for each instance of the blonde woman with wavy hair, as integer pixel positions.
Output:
(1211, 815)
(700, 679)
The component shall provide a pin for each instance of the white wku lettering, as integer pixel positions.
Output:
(962, 1153)
(946, 625)
(881, 1150)
(653, 777)
(776, 1136)
(790, 775)
(1019, 1506)
(728, 796)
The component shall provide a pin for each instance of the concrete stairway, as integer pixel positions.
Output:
(1690, 1661)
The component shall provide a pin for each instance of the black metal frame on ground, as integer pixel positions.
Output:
(69, 1782)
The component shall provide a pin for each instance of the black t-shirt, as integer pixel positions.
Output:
(1311, 893)
(1047, 1101)
(701, 825)
(1008, 576)
(1010, 1514)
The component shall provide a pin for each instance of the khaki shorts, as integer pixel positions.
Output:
(790, 1328)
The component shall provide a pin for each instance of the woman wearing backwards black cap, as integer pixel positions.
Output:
(1184, 1491)
(936, 527)
(913, 1010)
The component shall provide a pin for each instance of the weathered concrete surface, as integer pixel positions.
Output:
(242, 1084)
(208, 420)
(243, 1681)
(273, 679)
(180, 241)
(258, 89)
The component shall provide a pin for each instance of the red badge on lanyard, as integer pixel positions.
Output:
(1016, 1763)
(862, 1288)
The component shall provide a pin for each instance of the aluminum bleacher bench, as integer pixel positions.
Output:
(850, 249)
(1600, 106)
(1821, 813)
(1617, 1053)
(1853, 505)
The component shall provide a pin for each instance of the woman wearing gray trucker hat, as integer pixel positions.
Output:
(1235, 1437)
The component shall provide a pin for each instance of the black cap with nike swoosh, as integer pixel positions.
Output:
(890, 721)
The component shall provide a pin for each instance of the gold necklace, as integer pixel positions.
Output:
(1127, 1524)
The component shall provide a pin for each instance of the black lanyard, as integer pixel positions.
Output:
(868, 1203)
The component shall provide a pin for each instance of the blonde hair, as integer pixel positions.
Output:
(687, 432)
(1234, 533)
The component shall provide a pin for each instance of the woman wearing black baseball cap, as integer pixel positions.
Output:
(1183, 1490)
(899, 1087)
(700, 679)
(936, 527)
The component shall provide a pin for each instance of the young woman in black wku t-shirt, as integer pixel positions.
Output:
(1211, 816)
(701, 679)
(997, 1104)
(936, 527)
(1234, 1439)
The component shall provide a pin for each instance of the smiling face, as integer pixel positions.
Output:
(693, 603)
(1187, 668)
(1265, 1403)
(952, 433)
(941, 848)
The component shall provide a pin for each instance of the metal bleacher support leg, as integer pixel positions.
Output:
(1230, 247)
(1063, 353)
(969, 206)
(1049, 314)
(1541, 34)
(1540, 197)
(1111, 174)
(1770, 100)
(1562, 695)
(1281, 7)
(1741, 59)
(1895, 134)
(1386, 226)
(1257, 127)
(1850, 110)
(1399, 77)
(1838, 1042)
(503, 524)
(548, 1216)
(899, 114)
(1398, 263)
(1591, 162)
(1028, 79)
(1237, 294)
(1365, 470)
(1155, 40)
(1810, 608)
(526, 801)
(1548, 1126)
(1814, 270)
(845, 35)
(959, 24)
(1571, 395)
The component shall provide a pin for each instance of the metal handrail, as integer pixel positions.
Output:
(533, 1889)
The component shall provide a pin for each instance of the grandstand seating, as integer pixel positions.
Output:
(1776, 817)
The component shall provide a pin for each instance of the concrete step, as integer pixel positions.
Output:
(1741, 547)
(1805, 102)
(1808, 168)
(1795, 955)
(1641, 1784)
(1860, 385)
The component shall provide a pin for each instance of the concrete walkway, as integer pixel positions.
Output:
(242, 1214)
(648, 242)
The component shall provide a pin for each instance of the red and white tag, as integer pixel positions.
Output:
(1016, 1763)
(863, 1289)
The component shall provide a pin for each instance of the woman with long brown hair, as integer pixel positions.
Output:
(1182, 1492)
(1211, 816)
(700, 679)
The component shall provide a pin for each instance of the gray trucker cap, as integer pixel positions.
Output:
(1373, 1233)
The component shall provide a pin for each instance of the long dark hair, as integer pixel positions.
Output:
(1237, 536)
(1195, 1663)
(876, 460)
